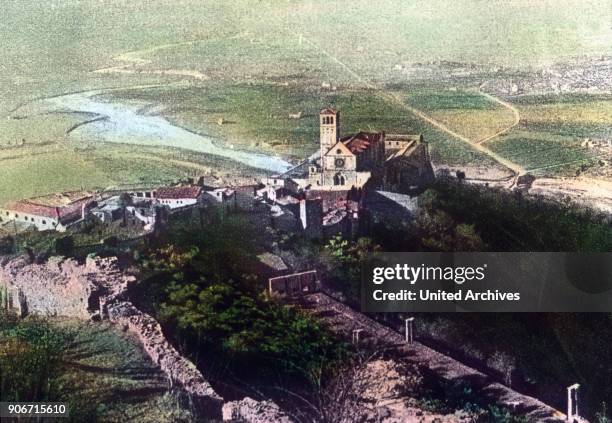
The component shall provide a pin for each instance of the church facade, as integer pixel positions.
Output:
(383, 161)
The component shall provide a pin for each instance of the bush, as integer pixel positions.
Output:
(31, 354)
(260, 335)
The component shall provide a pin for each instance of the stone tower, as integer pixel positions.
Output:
(329, 123)
(311, 216)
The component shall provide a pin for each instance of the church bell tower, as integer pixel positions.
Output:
(329, 123)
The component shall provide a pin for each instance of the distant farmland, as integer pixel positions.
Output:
(254, 66)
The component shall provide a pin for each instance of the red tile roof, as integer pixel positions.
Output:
(328, 111)
(360, 142)
(61, 213)
(175, 193)
(33, 209)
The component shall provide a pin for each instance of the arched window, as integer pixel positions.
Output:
(339, 179)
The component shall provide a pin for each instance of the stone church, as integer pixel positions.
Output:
(382, 161)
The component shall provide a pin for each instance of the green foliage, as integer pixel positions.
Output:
(255, 332)
(64, 245)
(210, 242)
(200, 288)
(602, 415)
(445, 397)
(111, 241)
(496, 414)
(6, 244)
(507, 221)
(440, 232)
(343, 259)
(168, 258)
(31, 354)
(573, 352)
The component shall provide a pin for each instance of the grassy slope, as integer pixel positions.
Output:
(105, 372)
(56, 172)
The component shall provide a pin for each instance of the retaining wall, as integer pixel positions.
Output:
(98, 289)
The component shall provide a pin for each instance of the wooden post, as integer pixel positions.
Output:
(356, 333)
(409, 330)
(572, 403)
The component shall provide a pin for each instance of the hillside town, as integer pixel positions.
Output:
(351, 182)
(348, 180)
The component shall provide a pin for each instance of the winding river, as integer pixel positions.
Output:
(120, 123)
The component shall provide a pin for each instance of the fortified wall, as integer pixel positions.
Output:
(98, 289)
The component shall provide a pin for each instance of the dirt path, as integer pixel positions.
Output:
(513, 109)
(515, 168)
(592, 192)
(134, 61)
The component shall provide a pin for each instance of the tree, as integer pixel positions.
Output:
(466, 238)
(260, 335)
(64, 246)
(344, 259)
(439, 229)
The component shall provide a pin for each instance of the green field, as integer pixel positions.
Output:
(257, 117)
(552, 129)
(468, 113)
(64, 169)
(255, 65)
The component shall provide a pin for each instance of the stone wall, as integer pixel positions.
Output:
(251, 411)
(59, 286)
(178, 369)
(295, 284)
(98, 289)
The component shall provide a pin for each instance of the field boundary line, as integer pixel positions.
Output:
(134, 58)
(518, 170)
(512, 108)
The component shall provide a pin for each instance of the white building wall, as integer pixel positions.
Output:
(177, 203)
(41, 223)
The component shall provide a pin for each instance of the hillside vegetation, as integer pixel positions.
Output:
(102, 375)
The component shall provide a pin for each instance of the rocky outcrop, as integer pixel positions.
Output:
(249, 410)
(60, 286)
(97, 289)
